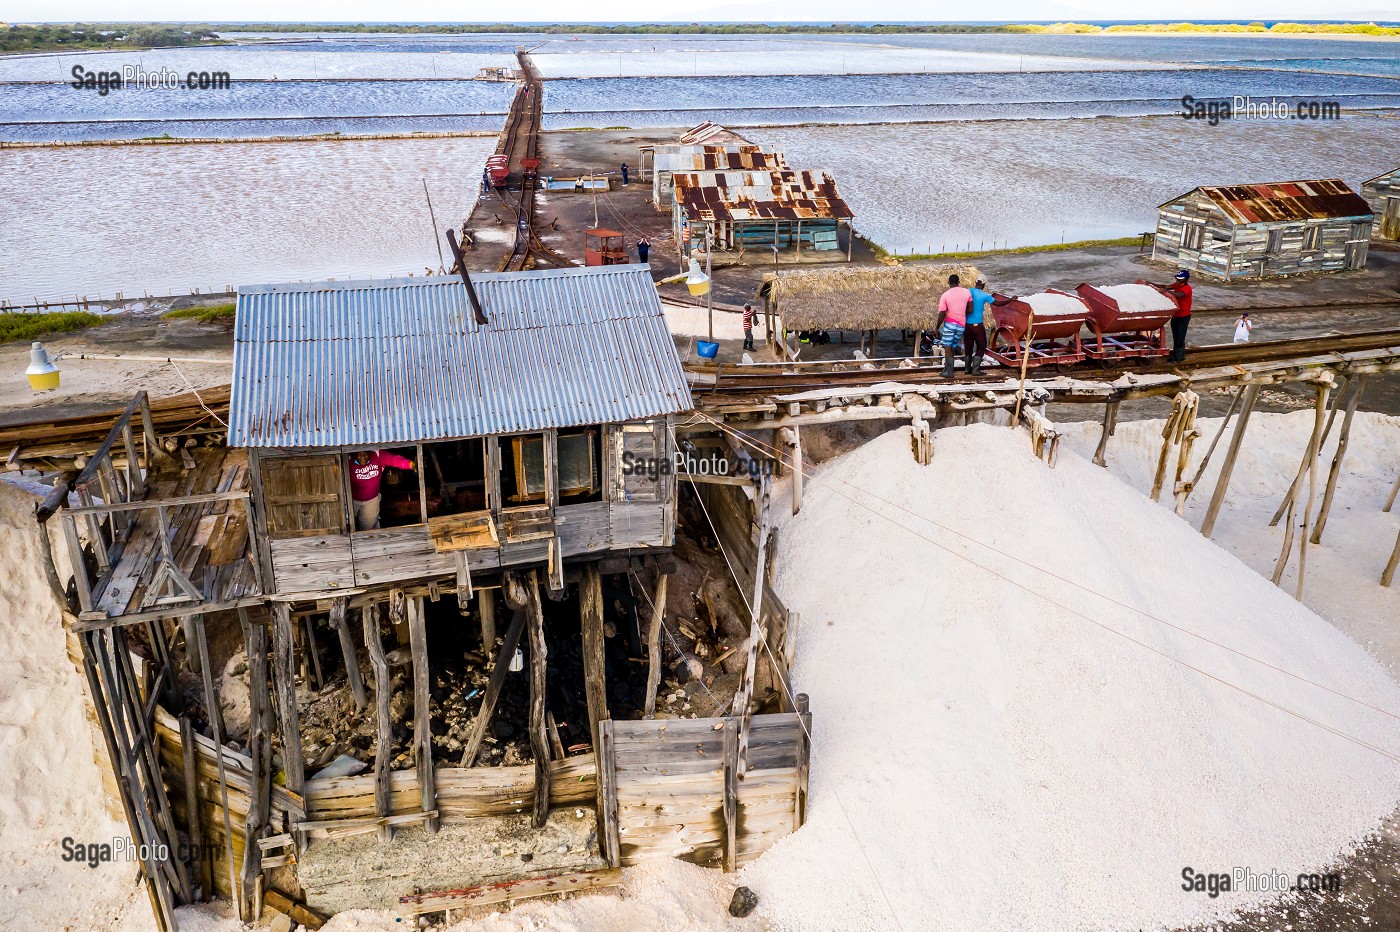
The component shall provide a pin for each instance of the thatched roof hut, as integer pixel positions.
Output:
(898, 297)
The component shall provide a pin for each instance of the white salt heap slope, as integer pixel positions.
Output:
(985, 758)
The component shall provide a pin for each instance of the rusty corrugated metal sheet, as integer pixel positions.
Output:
(716, 158)
(1284, 201)
(784, 194)
(399, 361)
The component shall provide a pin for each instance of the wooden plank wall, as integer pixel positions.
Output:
(671, 787)
(238, 771)
(312, 564)
(1376, 192)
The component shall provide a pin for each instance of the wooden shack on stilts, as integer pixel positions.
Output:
(523, 495)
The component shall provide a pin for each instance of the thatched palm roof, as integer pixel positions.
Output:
(885, 297)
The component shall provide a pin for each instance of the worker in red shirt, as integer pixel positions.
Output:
(366, 471)
(1181, 290)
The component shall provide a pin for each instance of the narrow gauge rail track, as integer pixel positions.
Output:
(520, 143)
(779, 378)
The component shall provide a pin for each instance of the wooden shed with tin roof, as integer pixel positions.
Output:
(1264, 230)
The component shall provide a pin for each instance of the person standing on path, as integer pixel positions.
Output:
(643, 248)
(366, 472)
(975, 336)
(624, 174)
(748, 327)
(952, 322)
(1181, 320)
(1242, 328)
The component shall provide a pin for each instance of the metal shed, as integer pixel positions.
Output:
(378, 362)
(1264, 230)
(1383, 194)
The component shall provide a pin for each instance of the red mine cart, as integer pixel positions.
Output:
(498, 170)
(604, 247)
(1128, 320)
(530, 168)
(1054, 328)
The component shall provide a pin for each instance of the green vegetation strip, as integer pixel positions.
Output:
(1017, 251)
(16, 325)
(115, 36)
(205, 313)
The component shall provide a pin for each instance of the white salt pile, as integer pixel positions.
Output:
(50, 788)
(989, 754)
(1049, 304)
(1134, 298)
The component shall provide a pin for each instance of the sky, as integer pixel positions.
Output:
(569, 11)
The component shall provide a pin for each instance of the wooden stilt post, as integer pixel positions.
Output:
(1282, 562)
(493, 687)
(1310, 467)
(422, 712)
(311, 656)
(1319, 437)
(1390, 502)
(202, 872)
(211, 699)
(1186, 440)
(792, 435)
(744, 695)
(384, 726)
(658, 615)
(539, 741)
(260, 752)
(1251, 393)
(731, 794)
(591, 624)
(1110, 424)
(1172, 432)
(284, 683)
(347, 650)
(1205, 460)
(486, 608)
(1388, 573)
(1343, 441)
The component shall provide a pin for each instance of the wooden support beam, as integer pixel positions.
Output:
(590, 604)
(201, 866)
(493, 686)
(609, 840)
(1319, 437)
(804, 760)
(260, 752)
(1394, 490)
(1343, 441)
(464, 580)
(311, 655)
(1189, 487)
(1110, 426)
(1308, 468)
(298, 912)
(539, 740)
(347, 651)
(384, 726)
(731, 794)
(1388, 574)
(658, 618)
(284, 684)
(211, 700)
(486, 608)
(1217, 498)
(416, 904)
(422, 712)
(744, 695)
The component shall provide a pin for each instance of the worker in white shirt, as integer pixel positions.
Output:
(1242, 328)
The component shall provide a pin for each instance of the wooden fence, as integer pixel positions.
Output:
(677, 792)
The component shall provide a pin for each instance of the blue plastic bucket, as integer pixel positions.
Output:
(706, 349)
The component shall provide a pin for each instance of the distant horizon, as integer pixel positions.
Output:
(1230, 21)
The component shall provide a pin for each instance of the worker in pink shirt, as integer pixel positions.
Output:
(366, 471)
(952, 322)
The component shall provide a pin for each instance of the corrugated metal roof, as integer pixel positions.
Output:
(386, 362)
(716, 158)
(786, 194)
(1383, 175)
(707, 130)
(1283, 201)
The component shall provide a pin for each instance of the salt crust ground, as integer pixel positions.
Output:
(1076, 772)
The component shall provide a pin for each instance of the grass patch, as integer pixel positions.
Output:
(16, 325)
(1016, 251)
(205, 314)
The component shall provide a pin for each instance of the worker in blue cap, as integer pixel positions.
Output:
(1181, 290)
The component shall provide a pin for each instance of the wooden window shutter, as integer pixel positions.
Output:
(302, 495)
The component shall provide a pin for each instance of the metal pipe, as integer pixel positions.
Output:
(466, 279)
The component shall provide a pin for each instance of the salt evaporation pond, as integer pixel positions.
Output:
(947, 186)
(167, 219)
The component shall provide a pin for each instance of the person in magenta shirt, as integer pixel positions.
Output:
(952, 322)
(366, 472)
